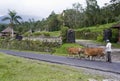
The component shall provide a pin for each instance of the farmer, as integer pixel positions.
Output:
(108, 50)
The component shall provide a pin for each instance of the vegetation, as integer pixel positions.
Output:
(19, 69)
(13, 18)
(96, 32)
(64, 34)
(40, 46)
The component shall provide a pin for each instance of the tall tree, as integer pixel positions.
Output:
(69, 18)
(13, 18)
(78, 14)
(53, 22)
(115, 7)
(92, 12)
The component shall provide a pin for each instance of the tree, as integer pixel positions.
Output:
(115, 7)
(69, 18)
(92, 12)
(13, 18)
(78, 14)
(53, 22)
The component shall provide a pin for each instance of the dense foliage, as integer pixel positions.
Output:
(64, 34)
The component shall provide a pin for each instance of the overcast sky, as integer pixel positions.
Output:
(40, 8)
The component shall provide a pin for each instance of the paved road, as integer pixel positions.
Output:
(97, 65)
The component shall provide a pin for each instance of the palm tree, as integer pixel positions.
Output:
(13, 18)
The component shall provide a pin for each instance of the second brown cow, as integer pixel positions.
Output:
(94, 52)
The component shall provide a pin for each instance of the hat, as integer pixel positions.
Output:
(107, 40)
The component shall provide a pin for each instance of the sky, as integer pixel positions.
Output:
(40, 8)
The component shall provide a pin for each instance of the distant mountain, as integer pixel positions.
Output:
(4, 22)
(24, 18)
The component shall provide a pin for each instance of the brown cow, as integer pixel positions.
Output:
(94, 52)
(73, 51)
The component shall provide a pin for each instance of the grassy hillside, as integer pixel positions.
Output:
(97, 28)
(93, 32)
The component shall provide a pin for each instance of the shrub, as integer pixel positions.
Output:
(86, 34)
(115, 34)
(37, 34)
(29, 45)
(47, 34)
(64, 34)
(27, 34)
(100, 38)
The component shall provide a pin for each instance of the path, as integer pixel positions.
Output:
(97, 65)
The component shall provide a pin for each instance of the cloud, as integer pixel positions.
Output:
(40, 8)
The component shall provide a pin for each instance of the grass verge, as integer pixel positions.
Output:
(19, 69)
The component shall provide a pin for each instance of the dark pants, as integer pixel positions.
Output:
(108, 56)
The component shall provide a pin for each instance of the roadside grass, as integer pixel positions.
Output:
(20, 69)
(116, 45)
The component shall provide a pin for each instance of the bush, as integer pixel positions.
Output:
(27, 34)
(29, 45)
(64, 34)
(100, 38)
(86, 34)
(37, 34)
(47, 34)
(115, 34)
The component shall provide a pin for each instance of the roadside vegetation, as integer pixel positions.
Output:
(19, 69)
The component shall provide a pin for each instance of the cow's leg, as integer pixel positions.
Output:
(91, 58)
(79, 56)
(86, 57)
(68, 55)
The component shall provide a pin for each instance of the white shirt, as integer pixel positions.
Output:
(108, 47)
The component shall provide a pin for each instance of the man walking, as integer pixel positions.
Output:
(108, 50)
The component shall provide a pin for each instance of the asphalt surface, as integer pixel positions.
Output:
(113, 67)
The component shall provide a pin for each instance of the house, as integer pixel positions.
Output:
(7, 32)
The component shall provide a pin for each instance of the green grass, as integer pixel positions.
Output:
(97, 28)
(55, 33)
(19, 69)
